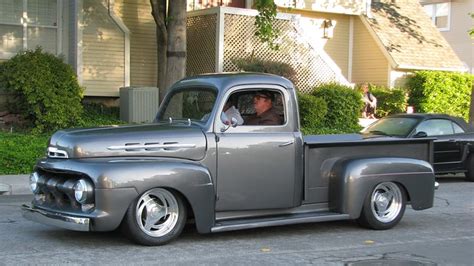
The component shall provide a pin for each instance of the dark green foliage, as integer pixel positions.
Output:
(389, 101)
(312, 111)
(19, 152)
(265, 66)
(98, 115)
(46, 89)
(441, 92)
(344, 105)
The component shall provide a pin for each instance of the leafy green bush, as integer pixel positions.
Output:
(19, 152)
(441, 92)
(389, 101)
(99, 115)
(312, 111)
(265, 66)
(46, 89)
(344, 105)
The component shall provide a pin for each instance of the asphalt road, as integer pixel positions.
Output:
(440, 235)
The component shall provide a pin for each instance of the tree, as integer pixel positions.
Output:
(170, 19)
(471, 110)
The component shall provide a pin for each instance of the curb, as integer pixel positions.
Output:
(15, 185)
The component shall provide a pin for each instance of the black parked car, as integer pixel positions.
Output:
(454, 144)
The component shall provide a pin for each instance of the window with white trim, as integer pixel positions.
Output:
(25, 24)
(440, 14)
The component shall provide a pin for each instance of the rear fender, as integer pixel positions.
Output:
(352, 179)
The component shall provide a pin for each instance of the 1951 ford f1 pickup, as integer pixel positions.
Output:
(194, 164)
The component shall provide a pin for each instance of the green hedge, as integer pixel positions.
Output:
(47, 92)
(312, 112)
(441, 92)
(266, 66)
(19, 152)
(344, 105)
(389, 101)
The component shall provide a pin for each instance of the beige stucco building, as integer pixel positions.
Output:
(111, 43)
(452, 19)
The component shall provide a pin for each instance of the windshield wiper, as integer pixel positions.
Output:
(378, 132)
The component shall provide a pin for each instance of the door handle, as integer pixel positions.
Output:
(286, 143)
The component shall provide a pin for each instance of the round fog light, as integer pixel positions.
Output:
(34, 178)
(82, 191)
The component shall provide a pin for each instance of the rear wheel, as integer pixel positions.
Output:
(383, 207)
(470, 168)
(155, 218)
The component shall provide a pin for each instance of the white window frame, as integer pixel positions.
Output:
(25, 25)
(433, 15)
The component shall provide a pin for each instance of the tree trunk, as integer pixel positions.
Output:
(159, 10)
(176, 52)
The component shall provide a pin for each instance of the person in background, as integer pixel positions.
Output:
(370, 102)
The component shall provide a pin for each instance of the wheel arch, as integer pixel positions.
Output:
(354, 178)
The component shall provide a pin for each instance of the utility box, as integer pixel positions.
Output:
(139, 104)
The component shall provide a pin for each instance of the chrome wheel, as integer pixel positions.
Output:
(386, 202)
(157, 212)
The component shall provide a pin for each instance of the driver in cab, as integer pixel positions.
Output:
(265, 114)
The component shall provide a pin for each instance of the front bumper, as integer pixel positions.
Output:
(56, 219)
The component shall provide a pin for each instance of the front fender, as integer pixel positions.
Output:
(352, 179)
(191, 179)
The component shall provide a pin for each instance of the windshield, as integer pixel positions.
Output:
(392, 126)
(190, 103)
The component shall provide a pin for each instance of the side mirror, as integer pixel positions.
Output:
(232, 123)
(420, 134)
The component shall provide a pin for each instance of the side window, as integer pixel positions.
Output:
(457, 128)
(255, 107)
(436, 127)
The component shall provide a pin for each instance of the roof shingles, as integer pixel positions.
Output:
(410, 38)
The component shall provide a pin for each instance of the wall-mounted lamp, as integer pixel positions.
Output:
(328, 29)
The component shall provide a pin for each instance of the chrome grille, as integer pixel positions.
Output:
(56, 192)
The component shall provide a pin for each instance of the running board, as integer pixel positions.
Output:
(239, 224)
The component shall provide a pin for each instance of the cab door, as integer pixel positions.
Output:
(256, 164)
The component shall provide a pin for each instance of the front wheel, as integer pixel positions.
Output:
(470, 168)
(155, 218)
(383, 207)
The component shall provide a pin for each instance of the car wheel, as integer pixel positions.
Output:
(155, 218)
(470, 168)
(383, 207)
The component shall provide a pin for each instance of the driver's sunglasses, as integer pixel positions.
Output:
(258, 97)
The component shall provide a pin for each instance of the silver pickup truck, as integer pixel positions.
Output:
(194, 165)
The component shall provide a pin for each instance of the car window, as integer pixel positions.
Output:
(436, 127)
(243, 102)
(392, 126)
(457, 128)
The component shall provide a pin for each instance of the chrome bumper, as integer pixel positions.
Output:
(56, 219)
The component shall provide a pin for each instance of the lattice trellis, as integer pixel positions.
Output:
(201, 44)
(240, 42)
(311, 65)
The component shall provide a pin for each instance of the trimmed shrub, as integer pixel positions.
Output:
(312, 111)
(344, 105)
(46, 90)
(265, 66)
(19, 152)
(441, 92)
(389, 101)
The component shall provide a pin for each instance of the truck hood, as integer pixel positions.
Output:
(154, 140)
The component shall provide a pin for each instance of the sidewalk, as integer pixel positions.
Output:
(15, 185)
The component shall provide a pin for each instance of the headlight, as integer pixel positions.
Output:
(83, 191)
(34, 178)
